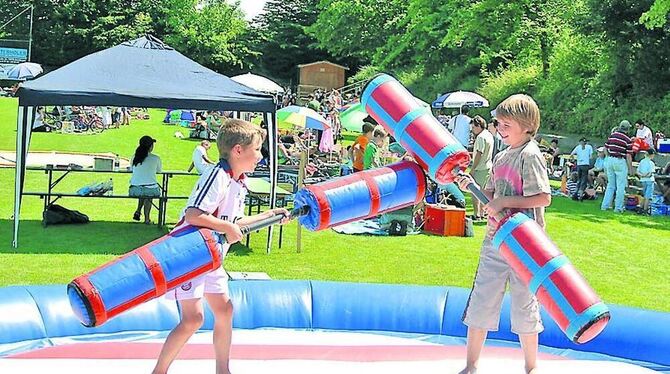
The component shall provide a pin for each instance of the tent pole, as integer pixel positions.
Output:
(270, 121)
(23, 130)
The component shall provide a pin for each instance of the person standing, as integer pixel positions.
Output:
(583, 151)
(358, 148)
(518, 183)
(199, 159)
(645, 171)
(461, 126)
(618, 165)
(482, 159)
(143, 183)
(216, 203)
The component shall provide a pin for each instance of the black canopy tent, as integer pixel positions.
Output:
(140, 73)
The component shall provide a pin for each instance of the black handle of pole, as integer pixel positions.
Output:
(478, 193)
(297, 212)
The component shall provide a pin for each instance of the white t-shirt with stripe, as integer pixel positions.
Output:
(217, 193)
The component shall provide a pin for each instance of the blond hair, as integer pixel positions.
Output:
(237, 131)
(522, 109)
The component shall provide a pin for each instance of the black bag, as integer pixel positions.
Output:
(56, 214)
(398, 228)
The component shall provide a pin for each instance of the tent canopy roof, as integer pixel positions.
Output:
(142, 73)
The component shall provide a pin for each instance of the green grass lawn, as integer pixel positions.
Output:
(624, 257)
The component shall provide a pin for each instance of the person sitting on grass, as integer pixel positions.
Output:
(645, 170)
(143, 183)
(572, 184)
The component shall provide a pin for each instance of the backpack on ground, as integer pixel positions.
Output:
(56, 214)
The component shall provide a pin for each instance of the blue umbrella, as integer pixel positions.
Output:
(24, 70)
(459, 98)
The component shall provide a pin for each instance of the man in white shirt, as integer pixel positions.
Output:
(583, 152)
(199, 159)
(461, 126)
(644, 139)
(482, 159)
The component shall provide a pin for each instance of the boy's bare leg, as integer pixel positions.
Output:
(529, 344)
(476, 338)
(222, 308)
(192, 316)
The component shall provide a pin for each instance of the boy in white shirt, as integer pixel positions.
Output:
(217, 203)
(199, 159)
(645, 170)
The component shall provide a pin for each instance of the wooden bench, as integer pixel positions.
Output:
(51, 197)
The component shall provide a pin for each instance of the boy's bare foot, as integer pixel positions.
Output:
(532, 371)
(468, 370)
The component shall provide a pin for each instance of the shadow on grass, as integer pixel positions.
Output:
(99, 237)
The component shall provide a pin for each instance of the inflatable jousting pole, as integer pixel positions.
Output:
(414, 127)
(167, 262)
(549, 275)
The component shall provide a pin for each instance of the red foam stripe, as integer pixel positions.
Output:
(535, 242)
(425, 130)
(394, 99)
(363, 353)
(459, 160)
(155, 270)
(324, 209)
(93, 296)
(574, 288)
(212, 245)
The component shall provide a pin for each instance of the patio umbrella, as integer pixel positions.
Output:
(258, 83)
(459, 98)
(303, 117)
(24, 70)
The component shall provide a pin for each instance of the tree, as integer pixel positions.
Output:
(657, 15)
(354, 28)
(281, 37)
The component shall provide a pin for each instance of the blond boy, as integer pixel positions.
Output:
(518, 182)
(217, 203)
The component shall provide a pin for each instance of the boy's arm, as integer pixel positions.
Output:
(248, 220)
(197, 217)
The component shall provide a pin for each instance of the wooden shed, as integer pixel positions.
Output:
(320, 74)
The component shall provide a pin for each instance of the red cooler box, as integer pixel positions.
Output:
(444, 220)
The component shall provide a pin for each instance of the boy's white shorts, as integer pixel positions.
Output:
(215, 281)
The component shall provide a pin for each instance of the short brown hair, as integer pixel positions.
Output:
(479, 122)
(237, 131)
(367, 127)
(523, 109)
